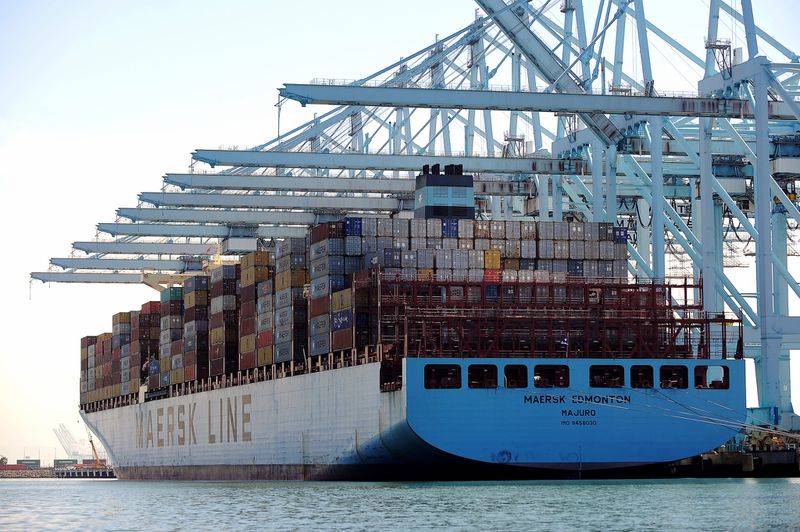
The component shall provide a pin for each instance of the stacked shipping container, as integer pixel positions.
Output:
(224, 320)
(171, 342)
(145, 337)
(196, 298)
(290, 323)
(255, 269)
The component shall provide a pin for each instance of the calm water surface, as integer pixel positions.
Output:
(685, 504)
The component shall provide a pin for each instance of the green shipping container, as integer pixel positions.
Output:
(61, 462)
(32, 464)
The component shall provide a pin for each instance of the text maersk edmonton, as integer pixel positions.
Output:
(228, 421)
(577, 399)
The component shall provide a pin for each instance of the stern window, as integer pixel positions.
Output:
(482, 376)
(442, 376)
(714, 377)
(606, 376)
(551, 376)
(516, 376)
(641, 376)
(674, 377)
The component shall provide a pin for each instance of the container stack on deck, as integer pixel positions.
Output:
(87, 367)
(255, 270)
(145, 337)
(290, 334)
(120, 336)
(195, 327)
(224, 320)
(171, 344)
(449, 286)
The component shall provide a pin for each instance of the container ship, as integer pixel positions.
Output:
(438, 346)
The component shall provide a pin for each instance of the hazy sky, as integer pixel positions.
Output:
(98, 99)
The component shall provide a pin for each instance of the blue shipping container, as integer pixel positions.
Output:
(343, 319)
(449, 228)
(620, 234)
(352, 226)
(154, 368)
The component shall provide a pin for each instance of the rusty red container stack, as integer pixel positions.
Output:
(196, 300)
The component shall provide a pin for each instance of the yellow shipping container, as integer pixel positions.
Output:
(425, 274)
(165, 364)
(342, 299)
(256, 258)
(247, 344)
(264, 356)
(255, 274)
(511, 264)
(491, 259)
(177, 376)
(195, 299)
(217, 335)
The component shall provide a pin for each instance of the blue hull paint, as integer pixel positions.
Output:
(576, 428)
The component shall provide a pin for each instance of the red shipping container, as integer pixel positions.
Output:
(152, 382)
(247, 326)
(190, 373)
(216, 366)
(264, 339)
(248, 294)
(115, 366)
(320, 306)
(151, 307)
(492, 276)
(115, 354)
(247, 309)
(176, 347)
(247, 360)
(342, 339)
(189, 358)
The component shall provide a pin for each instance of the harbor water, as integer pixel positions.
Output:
(680, 504)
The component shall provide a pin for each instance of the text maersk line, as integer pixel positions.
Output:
(229, 420)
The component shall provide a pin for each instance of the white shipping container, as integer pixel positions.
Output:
(606, 250)
(419, 228)
(475, 275)
(384, 242)
(527, 230)
(576, 231)
(498, 229)
(483, 244)
(591, 231)
(545, 230)
(434, 228)
(561, 249)
(512, 230)
(369, 244)
(425, 258)
(620, 269)
(576, 248)
(620, 251)
(384, 227)
(409, 274)
(220, 303)
(408, 259)
(369, 227)
(443, 275)
(513, 249)
(525, 276)
(560, 230)
(443, 259)
(434, 243)
(591, 250)
(449, 243)
(460, 276)
(527, 249)
(476, 260)
(546, 249)
(400, 228)
(460, 259)
(541, 276)
(509, 276)
(466, 229)
(418, 243)
(400, 243)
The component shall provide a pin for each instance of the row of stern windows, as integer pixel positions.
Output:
(449, 376)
